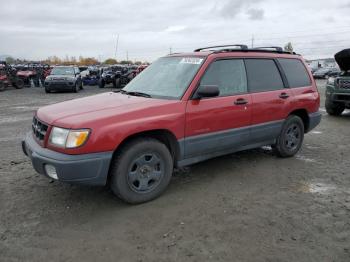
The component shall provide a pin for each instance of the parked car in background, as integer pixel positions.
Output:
(140, 68)
(8, 77)
(108, 75)
(29, 75)
(324, 73)
(185, 108)
(338, 88)
(63, 78)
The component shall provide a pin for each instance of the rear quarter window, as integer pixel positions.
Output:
(263, 75)
(295, 72)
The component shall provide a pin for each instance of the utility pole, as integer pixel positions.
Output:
(116, 47)
(252, 41)
(127, 55)
(170, 50)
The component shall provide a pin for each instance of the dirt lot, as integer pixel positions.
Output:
(249, 206)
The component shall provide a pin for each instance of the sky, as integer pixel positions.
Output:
(37, 29)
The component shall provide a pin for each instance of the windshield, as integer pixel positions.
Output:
(323, 70)
(62, 71)
(168, 77)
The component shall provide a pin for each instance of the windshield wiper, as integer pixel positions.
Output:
(134, 93)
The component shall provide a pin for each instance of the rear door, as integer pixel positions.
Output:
(219, 123)
(299, 80)
(271, 100)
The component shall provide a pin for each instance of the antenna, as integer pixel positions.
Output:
(116, 47)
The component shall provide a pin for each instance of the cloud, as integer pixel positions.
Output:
(255, 14)
(175, 28)
(36, 29)
(232, 8)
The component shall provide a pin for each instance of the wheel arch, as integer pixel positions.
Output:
(303, 114)
(163, 135)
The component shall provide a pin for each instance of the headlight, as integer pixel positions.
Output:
(331, 81)
(68, 138)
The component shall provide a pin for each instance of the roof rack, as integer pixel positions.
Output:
(242, 47)
(275, 48)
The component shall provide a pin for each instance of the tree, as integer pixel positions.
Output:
(288, 47)
(110, 61)
(124, 62)
(88, 61)
(10, 60)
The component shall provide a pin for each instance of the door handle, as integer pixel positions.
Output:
(284, 95)
(241, 101)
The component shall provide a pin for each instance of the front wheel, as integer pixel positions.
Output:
(334, 109)
(291, 137)
(76, 88)
(141, 171)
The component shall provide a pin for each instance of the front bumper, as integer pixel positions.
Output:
(89, 169)
(59, 85)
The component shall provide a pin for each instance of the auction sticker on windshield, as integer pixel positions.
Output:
(191, 60)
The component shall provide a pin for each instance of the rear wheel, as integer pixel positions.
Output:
(141, 171)
(2, 86)
(18, 84)
(291, 137)
(101, 83)
(334, 109)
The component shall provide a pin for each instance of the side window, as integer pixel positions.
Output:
(77, 71)
(263, 75)
(295, 72)
(228, 75)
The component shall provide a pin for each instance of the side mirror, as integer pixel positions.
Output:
(207, 91)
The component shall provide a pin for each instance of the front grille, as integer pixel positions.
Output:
(342, 97)
(345, 84)
(39, 129)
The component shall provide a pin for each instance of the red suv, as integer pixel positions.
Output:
(183, 109)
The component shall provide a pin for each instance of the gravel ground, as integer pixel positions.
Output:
(249, 206)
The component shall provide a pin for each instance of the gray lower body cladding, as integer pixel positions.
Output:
(89, 169)
(198, 148)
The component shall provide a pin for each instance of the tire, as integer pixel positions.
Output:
(2, 86)
(76, 88)
(47, 90)
(118, 83)
(19, 83)
(141, 171)
(114, 82)
(101, 83)
(334, 109)
(291, 137)
(81, 86)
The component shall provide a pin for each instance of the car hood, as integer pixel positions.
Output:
(79, 112)
(60, 77)
(343, 59)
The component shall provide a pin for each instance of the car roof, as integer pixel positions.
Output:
(239, 50)
(252, 53)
